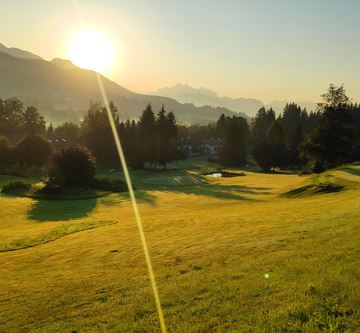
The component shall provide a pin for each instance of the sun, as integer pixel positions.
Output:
(92, 50)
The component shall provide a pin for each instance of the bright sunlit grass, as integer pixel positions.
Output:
(211, 245)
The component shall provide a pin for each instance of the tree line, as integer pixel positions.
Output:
(25, 139)
(325, 138)
(320, 139)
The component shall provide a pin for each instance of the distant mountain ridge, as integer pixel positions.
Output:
(62, 91)
(203, 96)
(15, 52)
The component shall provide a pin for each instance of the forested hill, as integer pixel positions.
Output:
(62, 91)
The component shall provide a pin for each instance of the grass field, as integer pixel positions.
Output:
(78, 265)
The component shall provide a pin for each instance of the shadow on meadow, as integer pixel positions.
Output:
(61, 210)
(352, 171)
(229, 192)
(200, 186)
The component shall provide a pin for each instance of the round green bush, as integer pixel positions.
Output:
(72, 166)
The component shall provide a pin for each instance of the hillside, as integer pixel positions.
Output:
(211, 240)
(15, 52)
(62, 92)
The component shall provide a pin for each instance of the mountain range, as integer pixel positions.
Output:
(62, 91)
(203, 96)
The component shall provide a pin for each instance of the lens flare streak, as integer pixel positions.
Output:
(135, 206)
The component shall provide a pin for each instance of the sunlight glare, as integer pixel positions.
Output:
(92, 50)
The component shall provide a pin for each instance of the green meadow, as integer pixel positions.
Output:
(78, 265)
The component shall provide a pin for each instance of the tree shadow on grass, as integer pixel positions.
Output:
(196, 185)
(142, 196)
(227, 192)
(352, 171)
(61, 210)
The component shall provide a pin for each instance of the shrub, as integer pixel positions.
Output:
(51, 189)
(32, 150)
(72, 166)
(107, 184)
(16, 186)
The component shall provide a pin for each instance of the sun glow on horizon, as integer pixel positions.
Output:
(93, 50)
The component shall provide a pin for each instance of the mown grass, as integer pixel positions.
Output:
(211, 243)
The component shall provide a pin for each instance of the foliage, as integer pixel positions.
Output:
(150, 140)
(263, 119)
(17, 122)
(332, 142)
(233, 150)
(166, 134)
(278, 152)
(72, 166)
(107, 184)
(66, 134)
(5, 151)
(32, 122)
(262, 156)
(96, 134)
(15, 186)
(33, 150)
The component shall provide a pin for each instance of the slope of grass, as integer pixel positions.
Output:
(211, 243)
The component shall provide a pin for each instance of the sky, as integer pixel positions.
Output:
(265, 49)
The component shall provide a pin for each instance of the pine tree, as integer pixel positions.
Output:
(277, 142)
(147, 135)
(234, 147)
(263, 120)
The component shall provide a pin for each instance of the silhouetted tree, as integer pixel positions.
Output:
(222, 126)
(332, 141)
(72, 166)
(262, 155)
(277, 142)
(147, 135)
(96, 134)
(32, 122)
(32, 151)
(295, 141)
(263, 120)
(67, 133)
(233, 150)
(10, 118)
(5, 151)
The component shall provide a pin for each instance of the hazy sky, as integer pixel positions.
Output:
(269, 49)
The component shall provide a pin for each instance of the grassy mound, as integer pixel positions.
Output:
(330, 181)
(313, 189)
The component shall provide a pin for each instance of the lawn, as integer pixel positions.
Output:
(78, 265)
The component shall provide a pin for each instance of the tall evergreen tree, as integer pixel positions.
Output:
(147, 135)
(234, 147)
(263, 120)
(277, 141)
